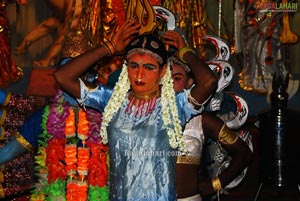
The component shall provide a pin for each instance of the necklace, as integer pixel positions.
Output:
(144, 96)
(142, 104)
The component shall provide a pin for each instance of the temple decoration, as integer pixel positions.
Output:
(192, 20)
(261, 48)
(119, 10)
(9, 72)
(143, 11)
(287, 35)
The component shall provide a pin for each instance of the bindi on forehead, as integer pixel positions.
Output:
(143, 58)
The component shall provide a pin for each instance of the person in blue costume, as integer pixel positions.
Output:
(142, 117)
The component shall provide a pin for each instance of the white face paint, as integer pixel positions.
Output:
(222, 49)
(166, 15)
(224, 71)
(237, 119)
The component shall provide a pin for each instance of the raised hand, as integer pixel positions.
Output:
(173, 38)
(125, 34)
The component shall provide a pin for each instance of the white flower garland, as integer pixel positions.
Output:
(169, 108)
(170, 112)
(115, 102)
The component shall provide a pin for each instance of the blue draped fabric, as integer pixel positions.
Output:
(142, 162)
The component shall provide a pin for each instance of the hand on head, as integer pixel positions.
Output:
(125, 34)
(173, 38)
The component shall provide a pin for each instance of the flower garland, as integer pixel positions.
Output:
(170, 112)
(169, 109)
(72, 163)
(119, 93)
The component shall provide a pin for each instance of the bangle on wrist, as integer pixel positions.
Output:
(107, 48)
(110, 47)
(113, 46)
(182, 52)
(216, 183)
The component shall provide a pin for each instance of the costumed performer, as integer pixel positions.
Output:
(142, 117)
(191, 185)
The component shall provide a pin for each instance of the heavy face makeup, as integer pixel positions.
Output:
(180, 78)
(144, 73)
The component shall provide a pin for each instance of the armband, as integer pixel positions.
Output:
(226, 136)
(216, 183)
(21, 140)
(4, 97)
(182, 52)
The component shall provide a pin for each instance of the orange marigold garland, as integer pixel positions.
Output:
(70, 125)
(71, 190)
(75, 166)
(54, 160)
(83, 127)
(71, 159)
(98, 173)
(83, 160)
(82, 190)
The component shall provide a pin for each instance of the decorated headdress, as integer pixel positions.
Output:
(148, 44)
